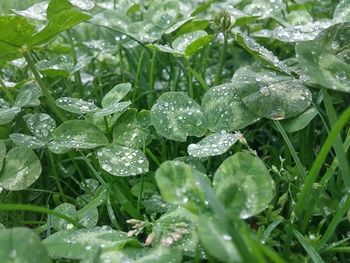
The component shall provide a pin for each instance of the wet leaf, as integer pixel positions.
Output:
(75, 105)
(163, 13)
(41, 125)
(116, 94)
(28, 95)
(77, 134)
(300, 122)
(36, 11)
(122, 161)
(224, 109)
(116, 107)
(28, 141)
(243, 184)
(21, 169)
(180, 184)
(8, 114)
(84, 243)
(212, 145)
(176, 116)
(59, 223)
(128, 130)
(342, 12)
(21, 244)
(216, 240)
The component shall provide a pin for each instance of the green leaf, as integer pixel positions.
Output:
(122, 161)
(342, 11)
(7, 114)
(177, 229)
(300, 122)
(15, 31)
(180, 184)
(176, 116)
(192, 161)
(20, 170)
(27, 141)
(57, 6)
(56, 67)
(60, 224)
(2, 153)
(145, 31)
(75, 105)
(321, 60)
(41, 125)
(261, 53)
(88, 217)
(243, 184)
(28, 96)
(36, 11)
(116, 107)
(22, 245)
(279, 101)
(216, 240)
(84, 243)
(265, 8)
(163, 13)
(77, 134)
(224, 109)
(128, 130)
(116, 94)
(60, 22)
(212, 145)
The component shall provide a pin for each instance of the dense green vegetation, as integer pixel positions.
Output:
(174, 131)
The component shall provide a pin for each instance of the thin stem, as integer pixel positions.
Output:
(7, 93)
(189, 78)
(77, 76)
(291, 149)
(221, 61)
(49, 99)
(57, 179)
(151, 80)
(122, 70)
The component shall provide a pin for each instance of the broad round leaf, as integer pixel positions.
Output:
(88, 217)
(7, 114)
(116, 94)
(20, 170)
(163, 13)
(243, 184)
(57, 67)
(128, 130)
(176, 116)
(112, 108)
(28, 96)
(77, 134)
(122, 161)
(28, 141)
(84, 243)
(145, 31)
(177, 229)
(180, 184)
(192, 161)
(59, 223)
(342, 11)
(216, 240)
(225, 110)
(22, 245)
(41, 125)
(212, 145)
(190, 43)
(279, 101)
(300, 122)
(75, 105)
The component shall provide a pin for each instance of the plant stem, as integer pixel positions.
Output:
(151, 80)
(57, 179)
(46, 92)
(221, 61)
(77, 75)
(6, 92)
(189, 77)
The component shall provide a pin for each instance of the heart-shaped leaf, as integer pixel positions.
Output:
(224, 109)
(128, 130)
(176, 116)
(27, 141)
(212, 145)
(7, 114)
(41, 125)
(84, 243)
(22, 245)
(28, 96)
(122, 161)
(116, 107)
(243, 184)
(75, 105)
(20, 170)
(180, 184)
(77, 134)
(299, 122)
(60, 224)
(163, 13)
(116, 94)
